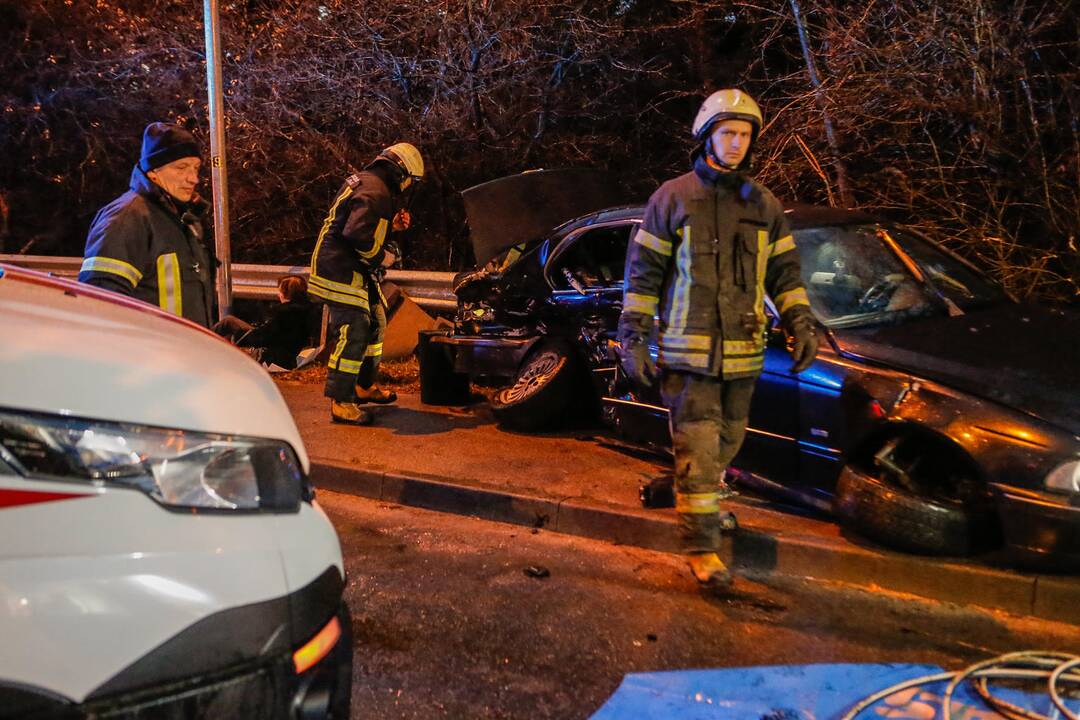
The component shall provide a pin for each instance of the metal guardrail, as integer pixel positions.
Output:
(429, 290)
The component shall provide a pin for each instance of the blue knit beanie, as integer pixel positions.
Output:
(163, 143)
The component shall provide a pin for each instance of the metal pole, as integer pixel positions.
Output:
(218, 174)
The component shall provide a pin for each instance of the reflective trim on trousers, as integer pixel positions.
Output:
(697, 503)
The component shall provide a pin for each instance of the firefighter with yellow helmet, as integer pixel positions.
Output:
(353, 246)
(712, 243)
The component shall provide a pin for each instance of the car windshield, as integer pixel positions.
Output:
(955, 279)
(855, 277)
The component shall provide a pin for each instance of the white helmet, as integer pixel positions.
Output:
(406, 157)
(727, 104)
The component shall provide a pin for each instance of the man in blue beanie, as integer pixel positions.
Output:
(147, 243)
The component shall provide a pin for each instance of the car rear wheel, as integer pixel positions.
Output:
(918, 495)
(543, 391)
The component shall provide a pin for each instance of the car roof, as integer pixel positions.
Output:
(800, 215)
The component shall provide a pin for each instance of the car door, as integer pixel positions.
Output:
(771, 445)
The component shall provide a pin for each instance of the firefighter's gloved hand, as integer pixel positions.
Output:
(637, 362)
(802, 342)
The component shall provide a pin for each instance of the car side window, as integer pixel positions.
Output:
(594, 260)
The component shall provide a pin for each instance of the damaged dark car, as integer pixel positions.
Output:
(940, 417)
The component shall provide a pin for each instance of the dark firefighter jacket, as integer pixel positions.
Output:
(144, 244)
(350, 248)
(704, 256)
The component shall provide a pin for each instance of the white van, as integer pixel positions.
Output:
(161, 552)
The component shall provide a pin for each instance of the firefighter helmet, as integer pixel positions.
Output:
(727, 104)
(407, 158)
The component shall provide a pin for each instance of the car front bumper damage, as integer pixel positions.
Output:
(1041, 527)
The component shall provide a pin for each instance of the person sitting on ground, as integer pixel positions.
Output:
(284, 333)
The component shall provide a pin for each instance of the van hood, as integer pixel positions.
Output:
(72, 349)
(1022, 356)
(518, 208)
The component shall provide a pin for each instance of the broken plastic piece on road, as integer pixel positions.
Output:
(537, 571)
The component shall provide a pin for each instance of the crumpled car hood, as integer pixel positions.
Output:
(1025, 357)
(518, 208)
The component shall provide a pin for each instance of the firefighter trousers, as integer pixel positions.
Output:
(708, 424)
(356, 338)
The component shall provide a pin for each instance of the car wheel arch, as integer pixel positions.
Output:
(912, 511)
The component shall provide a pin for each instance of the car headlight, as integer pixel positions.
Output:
(1065, 477)
(177, 468)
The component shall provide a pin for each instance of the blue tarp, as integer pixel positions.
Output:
(797, 692)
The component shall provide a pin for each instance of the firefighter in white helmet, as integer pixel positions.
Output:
(712, 243)
(352, 248)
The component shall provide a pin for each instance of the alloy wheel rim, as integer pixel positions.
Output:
(537, 374)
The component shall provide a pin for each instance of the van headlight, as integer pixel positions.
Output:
(177, 468)
(1065, 477)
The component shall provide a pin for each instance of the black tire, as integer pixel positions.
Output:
(543, 391)
(902, 519)
(439, 383)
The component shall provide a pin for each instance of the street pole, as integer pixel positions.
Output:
(218, 174)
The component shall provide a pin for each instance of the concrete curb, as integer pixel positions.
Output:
(751, 550)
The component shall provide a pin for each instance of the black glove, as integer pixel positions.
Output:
(802, 342)
(636, 360)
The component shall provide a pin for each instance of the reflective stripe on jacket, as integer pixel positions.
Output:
(350, 247)
(144, 245)
(702, 260)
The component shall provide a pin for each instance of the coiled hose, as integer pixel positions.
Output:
(1056, 668)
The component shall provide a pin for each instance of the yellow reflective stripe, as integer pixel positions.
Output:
(697, 503)
(792, 298)
(170, 290)
(686, 342)
(374, 350)
(330, 217)
(341, 298)
(694, 359)
(759, 284)
(335, 357)
(356, 288)
(745, 364)
(644, 304)
(112, 266)
(645, 238)
(742, 347)
(680, 293)
(380, 236)
(350, 367)
(781, 246)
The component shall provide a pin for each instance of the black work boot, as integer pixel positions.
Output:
(348, 413)
(375, 394)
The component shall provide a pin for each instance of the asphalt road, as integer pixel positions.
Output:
(447, 622)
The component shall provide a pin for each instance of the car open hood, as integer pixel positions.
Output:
(1022, 356)
(519, 208)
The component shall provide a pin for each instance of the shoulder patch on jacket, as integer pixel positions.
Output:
(353, 181)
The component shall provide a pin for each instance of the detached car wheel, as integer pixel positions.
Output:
(900, 505)
(542, 391)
